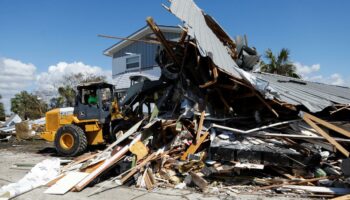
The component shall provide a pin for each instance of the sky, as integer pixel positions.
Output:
(41, 41)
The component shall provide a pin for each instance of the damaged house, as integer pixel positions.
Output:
(134, 59)
(216, 125)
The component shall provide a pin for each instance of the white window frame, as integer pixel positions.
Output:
(132, 56)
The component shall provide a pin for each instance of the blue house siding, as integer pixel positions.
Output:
(147, 51)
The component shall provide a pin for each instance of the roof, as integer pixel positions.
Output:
(93, 84)
(122, 81)
(142, 32)
(208, 42)
(14, 119)
(314, 96)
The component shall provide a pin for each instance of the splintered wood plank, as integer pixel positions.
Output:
(93, 167)
(193, 148)
(290, 183)
(79, 160)
(325, 135)
(199, 181)
(148, 182)
(107, 164)
(66, 183)
(345, 197)
(215, 78)
(328, 125)
(148, 179)
(52, 182)
(200, 126)
(282, 172)
(248, 166)
(156, 30)
(319, 189)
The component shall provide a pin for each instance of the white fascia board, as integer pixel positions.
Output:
(138, 35)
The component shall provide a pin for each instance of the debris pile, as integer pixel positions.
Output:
(23, 130)
(8, 127)
(218, 127)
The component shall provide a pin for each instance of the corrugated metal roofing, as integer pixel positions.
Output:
(14, 119)
(314, 96)
(207, 41)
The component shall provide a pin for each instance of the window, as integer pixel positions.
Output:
(106, 94)
(132, 62)
(85, 94)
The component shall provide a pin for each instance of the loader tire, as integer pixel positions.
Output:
(70, 140)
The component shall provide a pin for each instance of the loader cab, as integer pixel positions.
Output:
(93, 102)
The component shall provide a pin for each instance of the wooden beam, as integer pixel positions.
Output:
(79, 160)
(162, 40)
(328, 125)
(266, 104)
(212, 82)
(93, 167)
(319, 189)
(346, 107)
(282, 172)
(286, 105)
(257, 95)
(223, 100)
(65, 184)
(183, 36)
(52, 182)
(325, 135)
(149, 179)
(291, 183)
(193, 148)
(200, 126)
(345, 197)
(199, 181)
(133, 40)
(241, 83)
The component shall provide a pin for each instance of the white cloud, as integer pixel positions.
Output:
(311, 73)
(315, 78)
(49, 81)
(305, 69)
(336, 79)
(15, 76)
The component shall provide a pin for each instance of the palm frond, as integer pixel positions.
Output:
(283, 56)
(271, 67)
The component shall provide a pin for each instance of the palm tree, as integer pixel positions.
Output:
(280, 65)
(68, 94)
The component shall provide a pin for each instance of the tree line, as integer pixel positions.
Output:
(33, 106)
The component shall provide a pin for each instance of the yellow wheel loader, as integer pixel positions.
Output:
(88, 123)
